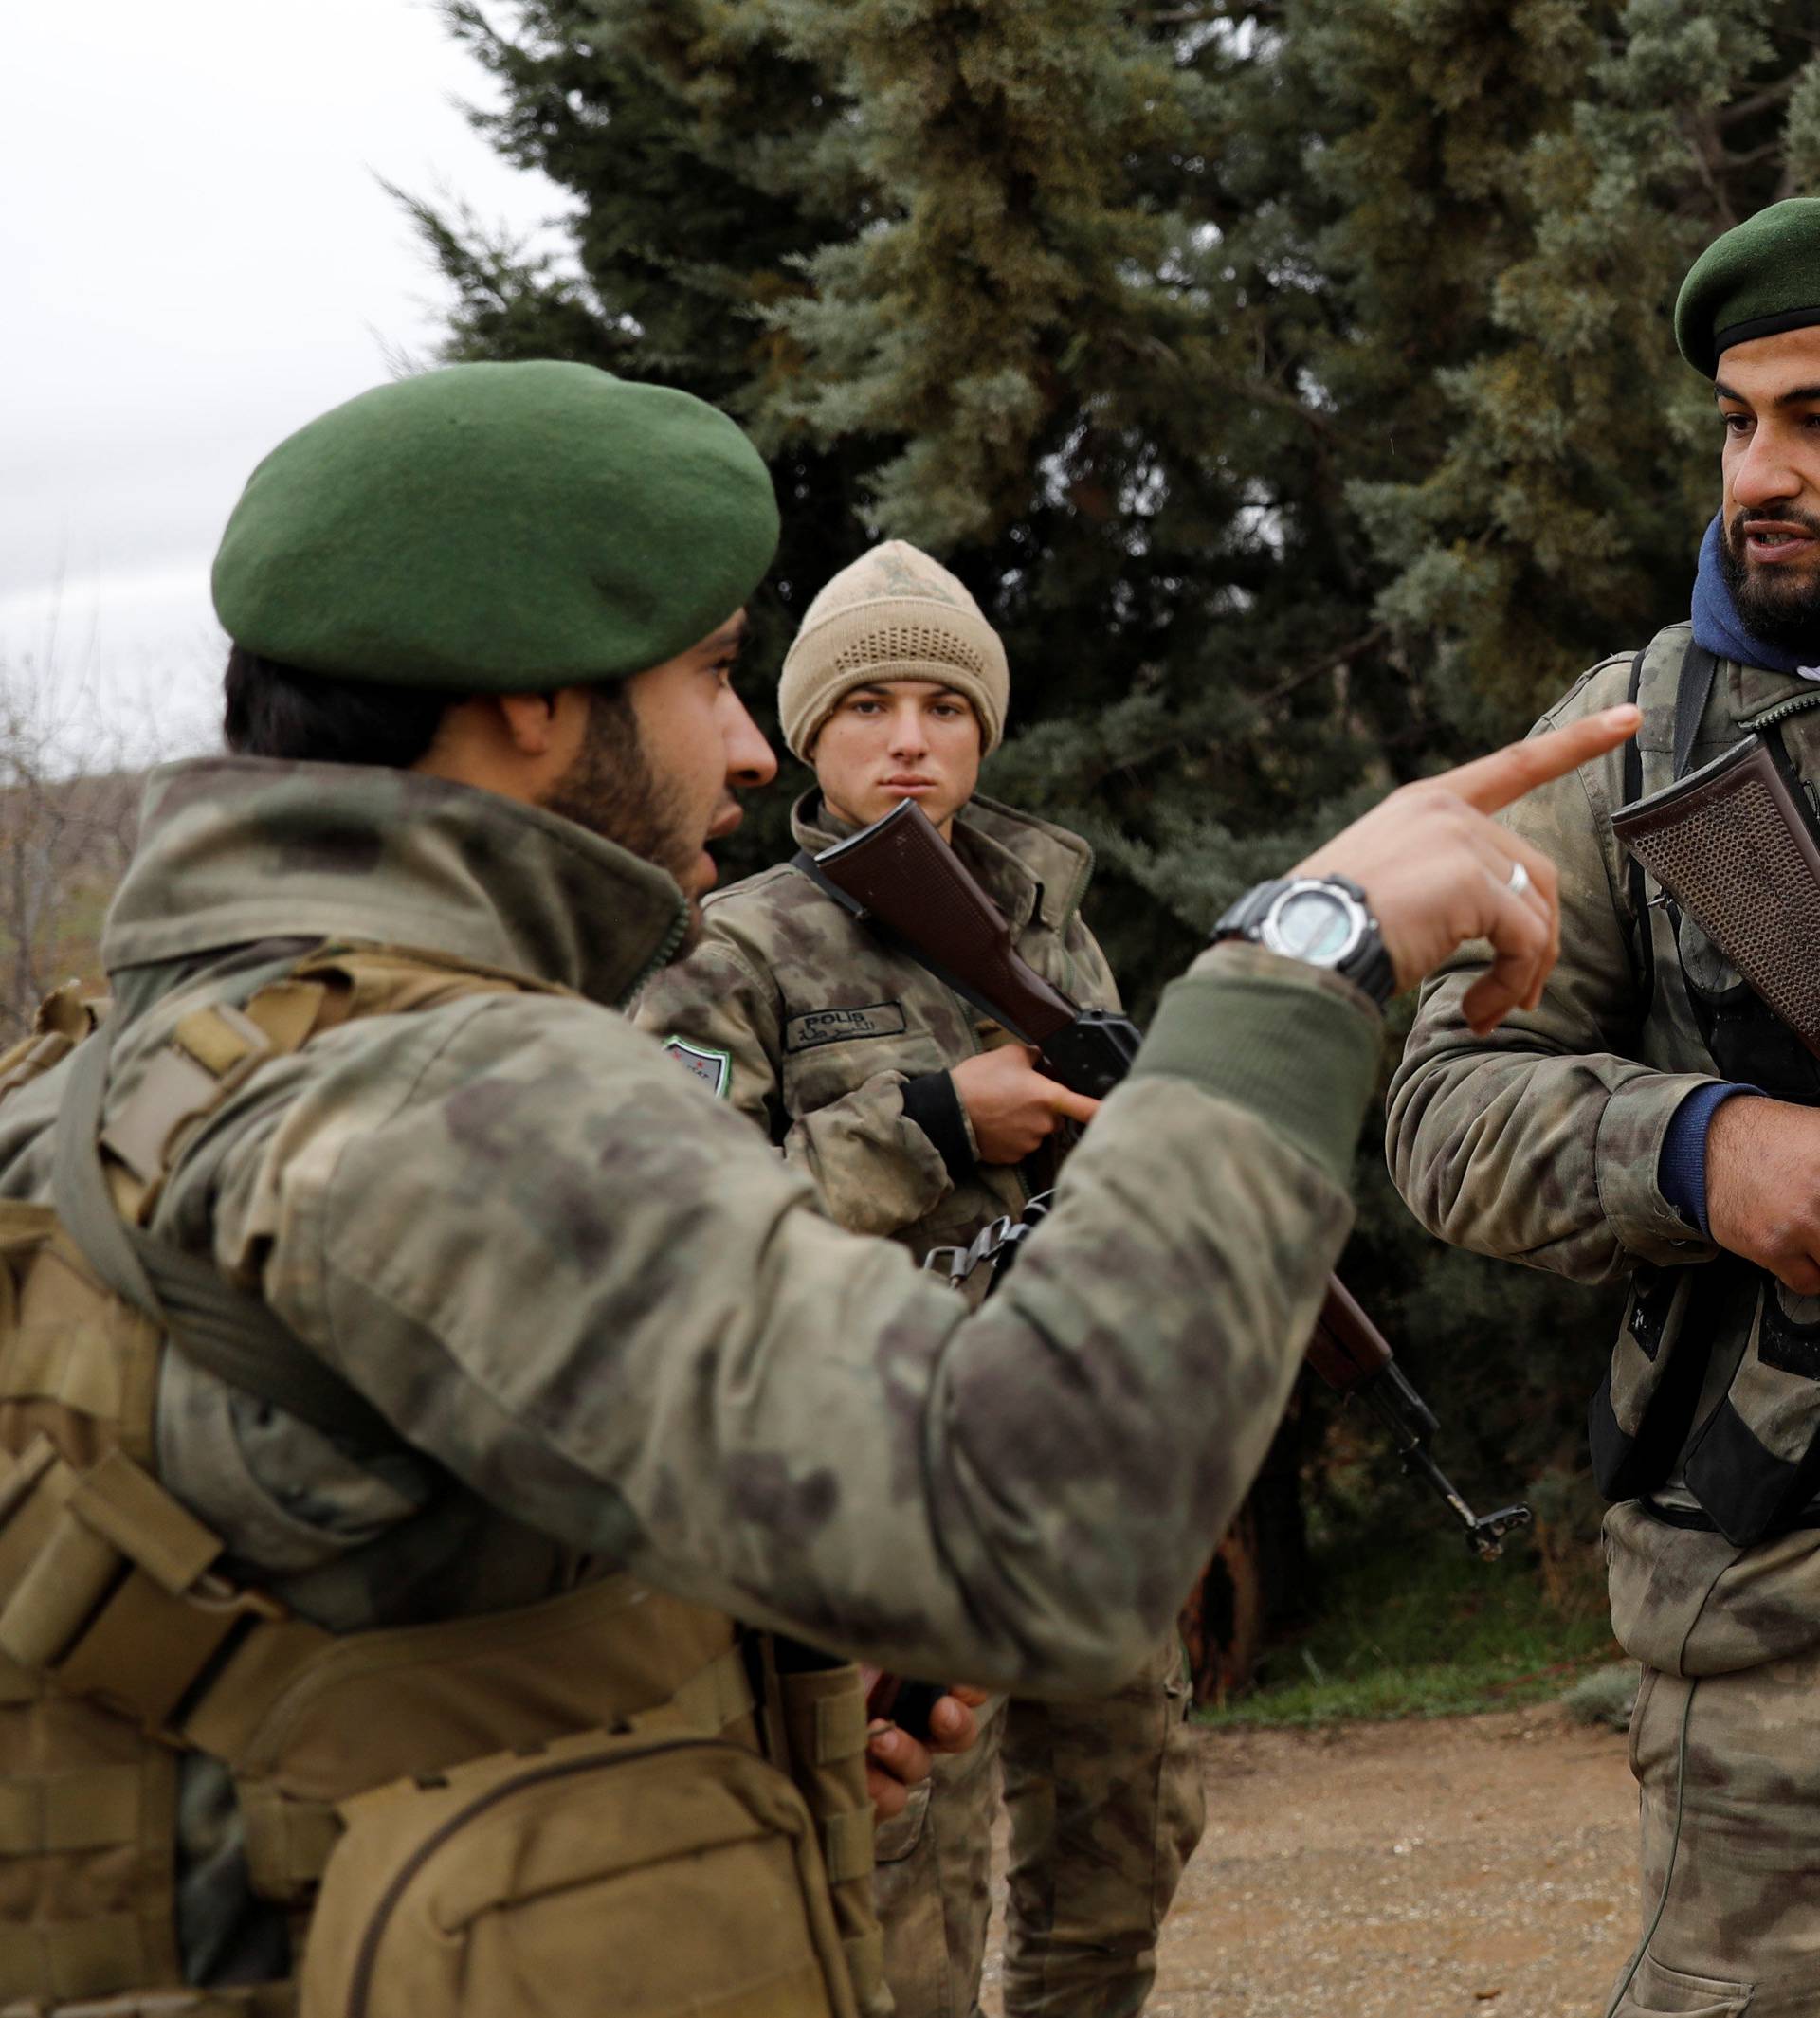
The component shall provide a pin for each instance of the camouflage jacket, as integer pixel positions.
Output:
(1540, 1143)
(617, 1327)
(820, 1033)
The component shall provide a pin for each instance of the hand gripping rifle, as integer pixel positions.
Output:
(903, 879)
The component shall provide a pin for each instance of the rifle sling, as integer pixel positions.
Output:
(213, 1324)
(1692, 692)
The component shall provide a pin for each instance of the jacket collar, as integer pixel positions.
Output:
(237, 849)
(1027, 866)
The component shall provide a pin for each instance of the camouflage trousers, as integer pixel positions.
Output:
(1729, 1772)
(1106, 1805)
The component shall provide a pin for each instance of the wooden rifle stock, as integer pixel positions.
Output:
(902, 877)
(1347, 1349)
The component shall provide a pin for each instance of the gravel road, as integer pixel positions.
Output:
(1468, 1867)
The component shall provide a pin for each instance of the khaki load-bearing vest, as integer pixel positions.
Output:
(611, 1794)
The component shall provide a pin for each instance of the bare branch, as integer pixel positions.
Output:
(68, 810)
(1747, 108)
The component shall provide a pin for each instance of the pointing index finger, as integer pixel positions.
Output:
(1491, 782)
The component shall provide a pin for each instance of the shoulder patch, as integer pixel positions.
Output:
(713, 1067)
(833, 1026)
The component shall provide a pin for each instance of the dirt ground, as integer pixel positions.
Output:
(1481, 1865)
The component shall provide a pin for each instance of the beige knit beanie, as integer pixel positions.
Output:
(893, 614)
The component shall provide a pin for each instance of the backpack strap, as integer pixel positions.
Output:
(233, 1335)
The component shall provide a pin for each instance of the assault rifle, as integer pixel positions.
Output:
(903, 879)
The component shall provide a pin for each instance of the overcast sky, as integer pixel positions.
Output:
(198, 256)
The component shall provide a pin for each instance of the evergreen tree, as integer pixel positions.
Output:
(1008, 282)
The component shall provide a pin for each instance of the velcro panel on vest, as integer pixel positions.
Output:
(210, 1052)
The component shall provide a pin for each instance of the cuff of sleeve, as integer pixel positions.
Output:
(1295, 1046)
(1627, 1157)
(930, 1100)
(1680, 1175)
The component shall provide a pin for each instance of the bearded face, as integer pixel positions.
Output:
(613, 791)
(1776, 592)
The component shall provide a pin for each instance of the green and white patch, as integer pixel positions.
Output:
(713, 1067)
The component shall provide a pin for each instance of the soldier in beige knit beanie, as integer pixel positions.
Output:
(917, 1118)
(893, 614)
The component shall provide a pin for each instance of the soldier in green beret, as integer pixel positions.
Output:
(1655, 1122)
(434, 1432)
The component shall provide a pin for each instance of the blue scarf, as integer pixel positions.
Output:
(1721, 630)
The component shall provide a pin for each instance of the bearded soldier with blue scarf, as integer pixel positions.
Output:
(1652, 1117)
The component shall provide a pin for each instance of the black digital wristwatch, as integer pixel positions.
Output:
(1323, 919)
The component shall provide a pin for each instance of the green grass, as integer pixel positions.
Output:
(1424, 1630)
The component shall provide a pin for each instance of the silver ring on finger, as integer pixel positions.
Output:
(1518, 881)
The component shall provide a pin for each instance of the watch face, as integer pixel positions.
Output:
(1314, 924)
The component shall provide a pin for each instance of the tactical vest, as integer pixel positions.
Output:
(491, 1798)
(1753, 1458)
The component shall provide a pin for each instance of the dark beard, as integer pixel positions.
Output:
(1780, 606)
(611, 790)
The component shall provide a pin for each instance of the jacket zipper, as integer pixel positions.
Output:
(366, 1960)
(1779, 711)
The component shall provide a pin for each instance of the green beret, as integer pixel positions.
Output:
(497, 528)
(1762, 277)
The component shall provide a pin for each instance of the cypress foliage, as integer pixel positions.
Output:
(1291, 382)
